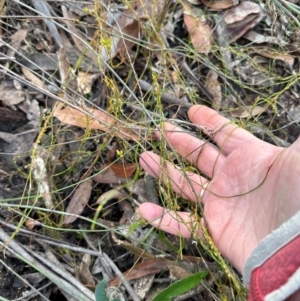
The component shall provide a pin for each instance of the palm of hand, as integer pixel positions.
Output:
(251, 193)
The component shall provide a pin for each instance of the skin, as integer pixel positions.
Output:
(253, 186)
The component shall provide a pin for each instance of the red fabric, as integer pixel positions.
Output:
(275, 272)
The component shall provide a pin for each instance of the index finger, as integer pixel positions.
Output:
(224, 132)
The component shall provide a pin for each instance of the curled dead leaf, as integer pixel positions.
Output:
(142, 285)
(218, 5)
(247, 112)
(84, 273)
(107, 176)
(235, 31)
(275, 55)
(240, 12)
(31, 223)
(85, 81)
(241, 18)
(109, 195)
(115, 173)
(40, 174)
(257, 38)
(33, 78)
(195, 2)
(124, 170)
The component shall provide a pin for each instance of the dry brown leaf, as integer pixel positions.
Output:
(16, 39)
(147, 267)
(257, 38)
(247, 112)
(127, 30)
(142, 285)
(66, 76)
(213, 87)
(107, 176)
(33, 113)
(102, 121)
(8, 116)
(115, 173)
(235, 31)
(7, 137)
(19, 146)
(10, 95)
(123, 170)
(240, 12)
(241, 18)
(85, 81)
(84, 273)
(177, 272)
(2, 13)
(40, 175)
(78, 201)
(33, 78)
(217, 4)
(109, 195)
(31, 223)
(77, 36)
(199, 30)
(275, 55)
(156, 265)
(44, 9)
(195, 2)
(132, 30)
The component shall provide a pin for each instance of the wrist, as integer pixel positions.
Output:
(274, 264)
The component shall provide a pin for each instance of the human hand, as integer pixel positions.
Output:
(253, 189)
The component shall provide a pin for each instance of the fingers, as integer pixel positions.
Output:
(177, 223)
(201, 154)
(227, 135)
(296, 145)
(187, 184)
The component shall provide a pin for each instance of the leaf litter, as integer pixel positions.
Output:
(121, 69)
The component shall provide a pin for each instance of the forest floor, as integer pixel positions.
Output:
(83, 87)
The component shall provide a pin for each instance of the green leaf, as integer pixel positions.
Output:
(100, 292)
(180, 287)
